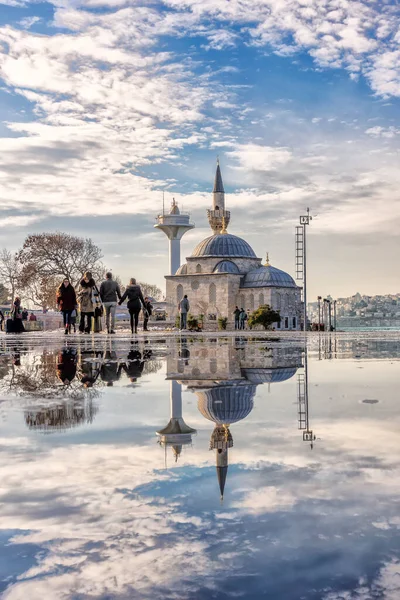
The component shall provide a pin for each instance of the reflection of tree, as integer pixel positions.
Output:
(62, 416)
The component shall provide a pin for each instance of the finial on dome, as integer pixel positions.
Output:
(223, 230)
(267, 263)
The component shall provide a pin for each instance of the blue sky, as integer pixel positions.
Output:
(104, 104)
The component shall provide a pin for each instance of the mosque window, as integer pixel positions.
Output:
(286, 322)
(278, 301)
(294, 323)
(261, 299)
(194, 285)
(286, 301)
(213, 365)
(251, 301)
(212, 293)
(179, 292)
(198, 268)
(278, 325)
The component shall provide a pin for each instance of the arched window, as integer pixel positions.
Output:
(213, 365)
(198, 268)
(286, 301)
(179, 292)
(278, 301)
(212, 293)
(261, 300)
(251, 301)
(242, 302)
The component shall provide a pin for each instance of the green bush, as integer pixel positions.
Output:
(265, 316)
(192, 322)
(222, 323)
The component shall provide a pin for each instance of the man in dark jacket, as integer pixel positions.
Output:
(184, 307)
(147, 310)
(236, 313)
(110, 294)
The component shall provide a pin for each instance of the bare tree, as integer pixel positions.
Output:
(59, 255)
(10, 270)
(41, 290)
(150, 289)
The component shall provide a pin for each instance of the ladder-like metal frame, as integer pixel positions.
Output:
(299, 245)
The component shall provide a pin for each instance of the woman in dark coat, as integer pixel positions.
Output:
(66, 301)
(18, 326)
(135, 298)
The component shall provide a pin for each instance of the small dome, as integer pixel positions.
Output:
(182, 270)
(226, 404)
(269, 375)
(268, 276)
(174, 208)
(226, 266)
(224, 244)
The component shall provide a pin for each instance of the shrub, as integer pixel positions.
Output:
(222, 323)
(265, 316)
(192, 322)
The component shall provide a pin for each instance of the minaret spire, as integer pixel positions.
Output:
(218, 211)
(221, 441)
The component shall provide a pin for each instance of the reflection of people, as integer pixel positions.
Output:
(66, 301)
(184, 307)
(135, 297)
(110, 371)
(66, 365)
(89, 368)
(134, 366)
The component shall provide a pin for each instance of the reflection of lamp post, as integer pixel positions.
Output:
(319, 312)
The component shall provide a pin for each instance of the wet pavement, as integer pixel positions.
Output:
(274, 473)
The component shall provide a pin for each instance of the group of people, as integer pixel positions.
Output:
(94, 302)
(241, 317)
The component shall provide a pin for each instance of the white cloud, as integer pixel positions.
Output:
(253, 157)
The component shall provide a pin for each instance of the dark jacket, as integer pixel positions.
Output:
(109, 291)
(66, 297)
(134, 295)
(148, 307)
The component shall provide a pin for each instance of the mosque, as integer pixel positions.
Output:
(223, 270)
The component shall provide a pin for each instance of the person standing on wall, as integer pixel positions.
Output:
(110, 293)
(184, 307)
(66, 302)
(236, 314)
(86, 305)
(242, 318)
(147, 310)
(135, 299)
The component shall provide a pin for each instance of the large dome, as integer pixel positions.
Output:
(226, 404)
(224, 244)
(268, 276)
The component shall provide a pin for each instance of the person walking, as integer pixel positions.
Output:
(86, 304)
(147, 310)
(66, 302)
(110, 293)
(135, 299)
(236, 314)
(24, 314)
(184, 307)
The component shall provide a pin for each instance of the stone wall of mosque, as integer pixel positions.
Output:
(207, 265)
(216, 295)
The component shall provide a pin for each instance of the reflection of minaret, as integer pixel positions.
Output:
(303, 405)
(221, 440)
(176, 433)
(218, 217)
(174, 225)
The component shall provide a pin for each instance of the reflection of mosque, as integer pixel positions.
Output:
(225, 378)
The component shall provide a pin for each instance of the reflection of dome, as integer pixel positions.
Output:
(269, 375)
(224, 244)
(182, 270)
(268, 276)
(226, 266)
(226, 403)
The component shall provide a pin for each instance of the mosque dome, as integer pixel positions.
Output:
(226, 404)
(268, 276)
(182, 270)
(258, 376)
(226, 266)
(224, 244)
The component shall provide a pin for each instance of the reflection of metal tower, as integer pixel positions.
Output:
(174, 225)
(303, 405)
(176, 433)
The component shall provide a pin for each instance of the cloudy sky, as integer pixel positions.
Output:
(106, 103)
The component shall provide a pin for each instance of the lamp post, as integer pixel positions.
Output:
(334, 314)
(319, 312)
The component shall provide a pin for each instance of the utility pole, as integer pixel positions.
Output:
(301, 258)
